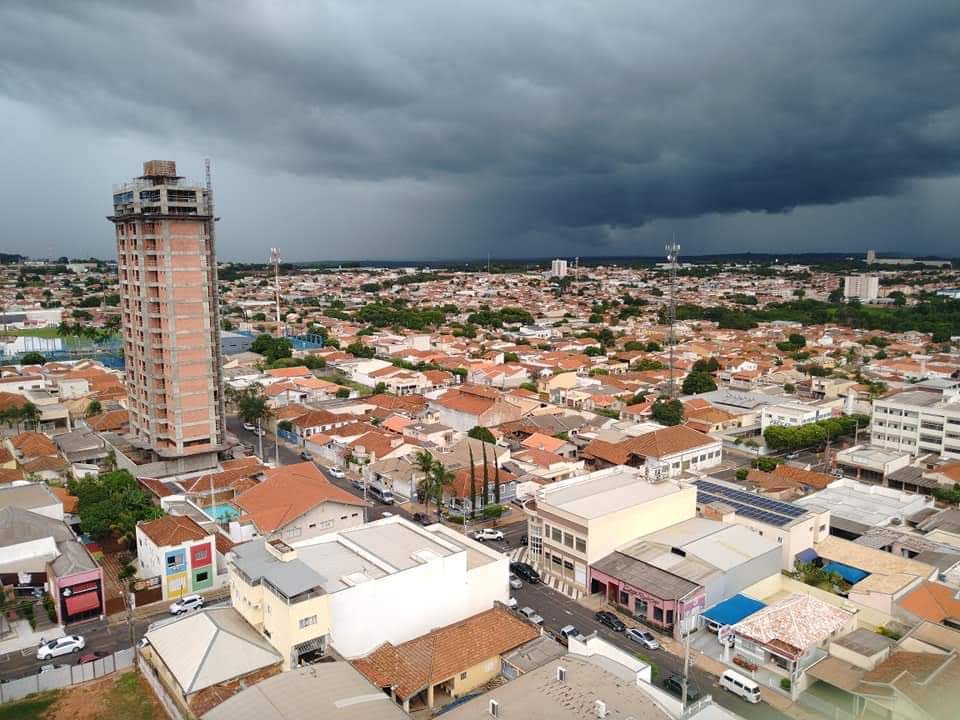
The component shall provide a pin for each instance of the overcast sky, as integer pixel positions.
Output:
(418, 129)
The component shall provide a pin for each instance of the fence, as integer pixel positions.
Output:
(66, 675)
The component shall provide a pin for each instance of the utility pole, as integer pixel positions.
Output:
(673, 252)
(260, 438)
(686, 654)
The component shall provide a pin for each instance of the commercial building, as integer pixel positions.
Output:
(573, 523)
(180, 552)
(923, 419)
(865, 288)
(794, 528)
(793, 414)
(356, 589)
(169, 305)
(855, 507)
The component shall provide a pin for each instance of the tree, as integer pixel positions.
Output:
(33, 358)
(789, 388)
(698, 382)
(797, 340)
(252, 407)
(473, 485)
(836, 296)
(667, 412)
(343, 393)
(653, 347)
(379, 388)
(496, 478)
(358, 349)
(486, 477)
(438, 479)
(111, 504)
(510, 357)
(94, 408)
(478, 432)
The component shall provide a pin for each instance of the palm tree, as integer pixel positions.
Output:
(424, 462)
(438, 479)
(28, 413)
(252, 408)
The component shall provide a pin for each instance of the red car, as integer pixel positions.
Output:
(90, 657)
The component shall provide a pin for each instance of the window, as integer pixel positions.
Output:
(581, 545)
(202, 576)
(556, 560)
(293, 532)
(657, 613)
(201, 555)
(172, 561)
(308, 621)
(624, 598)
(568, 539)
(343, 517)
(312, 525)
(556, 535)
(463, 676)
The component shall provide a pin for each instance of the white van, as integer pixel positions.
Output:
(740, 685)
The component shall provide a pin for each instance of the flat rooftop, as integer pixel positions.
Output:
(866, 504)
(604, 492)
(917, 398)
(397, 544)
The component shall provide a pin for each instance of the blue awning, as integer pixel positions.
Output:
(733, 610)
(806, 556)
(851, 574)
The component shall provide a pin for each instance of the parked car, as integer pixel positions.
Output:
(512, 603)
(525, 572)
(61, 646)
(530, 614)
(674, 686)
(90, 657)
(337, 473)
(249, 427)
(792, 456)
(306, 455)
(386, 514)
(422, 518)
(567, 632)
(356, 482)
(515, 582)
(643, 637)
(259, 432)
(610, 620)
(186, 604)
(488, 534)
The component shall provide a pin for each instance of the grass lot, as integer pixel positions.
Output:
(115, 697)
(45, 332)
(30, 708)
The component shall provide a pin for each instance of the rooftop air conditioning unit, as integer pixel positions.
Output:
(600, 708)
(561, 674)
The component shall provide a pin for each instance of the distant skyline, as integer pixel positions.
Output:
(428, 130)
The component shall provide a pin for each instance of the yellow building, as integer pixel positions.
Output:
(574, 523)
(449, 662)
(291, 611)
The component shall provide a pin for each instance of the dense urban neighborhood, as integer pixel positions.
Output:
(705, 488)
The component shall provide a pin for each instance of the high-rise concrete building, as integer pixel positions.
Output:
(168, 290)
(558, 269)
(865, 288)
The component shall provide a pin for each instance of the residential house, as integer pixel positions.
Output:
(294, 502)
(465, 407)
(449, 662)
(664, 452)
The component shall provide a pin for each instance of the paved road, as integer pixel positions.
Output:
(287, 456)
(558, 610)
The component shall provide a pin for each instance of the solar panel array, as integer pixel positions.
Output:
(749, 505)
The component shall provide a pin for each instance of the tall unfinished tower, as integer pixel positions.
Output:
(171, 328)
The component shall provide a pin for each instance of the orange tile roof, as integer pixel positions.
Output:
(70, 502)
(445, 652)
(932, 601)
(539, 441)
(34, 444)
(659, 443)
(8, 476)
(172, 530)
(287, 493)
(110, 420)
(291, 372)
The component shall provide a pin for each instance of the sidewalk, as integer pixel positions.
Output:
(160, 606)
(22, 636)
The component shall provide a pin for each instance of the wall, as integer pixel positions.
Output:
(281, 622)
(392, 608)
(326, 518)
(476, 676)
(65, 675)
(796, 539)
(595, 645)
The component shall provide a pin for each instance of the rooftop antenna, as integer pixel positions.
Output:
(275, 259)
(673, 252)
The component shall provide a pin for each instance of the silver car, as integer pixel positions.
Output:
(530, 614)
(644, 638)
(515, 582)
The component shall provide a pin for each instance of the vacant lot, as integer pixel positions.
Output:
(117, 697)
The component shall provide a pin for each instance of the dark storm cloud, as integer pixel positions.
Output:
(543, 116)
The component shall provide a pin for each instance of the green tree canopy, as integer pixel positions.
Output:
(698, 382)
(33, 358)
(112, 503)
(667, 412)
(478, 432)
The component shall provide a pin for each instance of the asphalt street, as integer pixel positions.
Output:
(287, 456)
(557, 610)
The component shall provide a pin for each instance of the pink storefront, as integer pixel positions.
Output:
(76, 584)
(653, 596)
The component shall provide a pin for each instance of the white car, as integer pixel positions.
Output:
(530, 614)
(61, 646)
(337, 473)
(488, 534)
(515, 582)
(249, 427)
(186, 604)
(644, 638)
